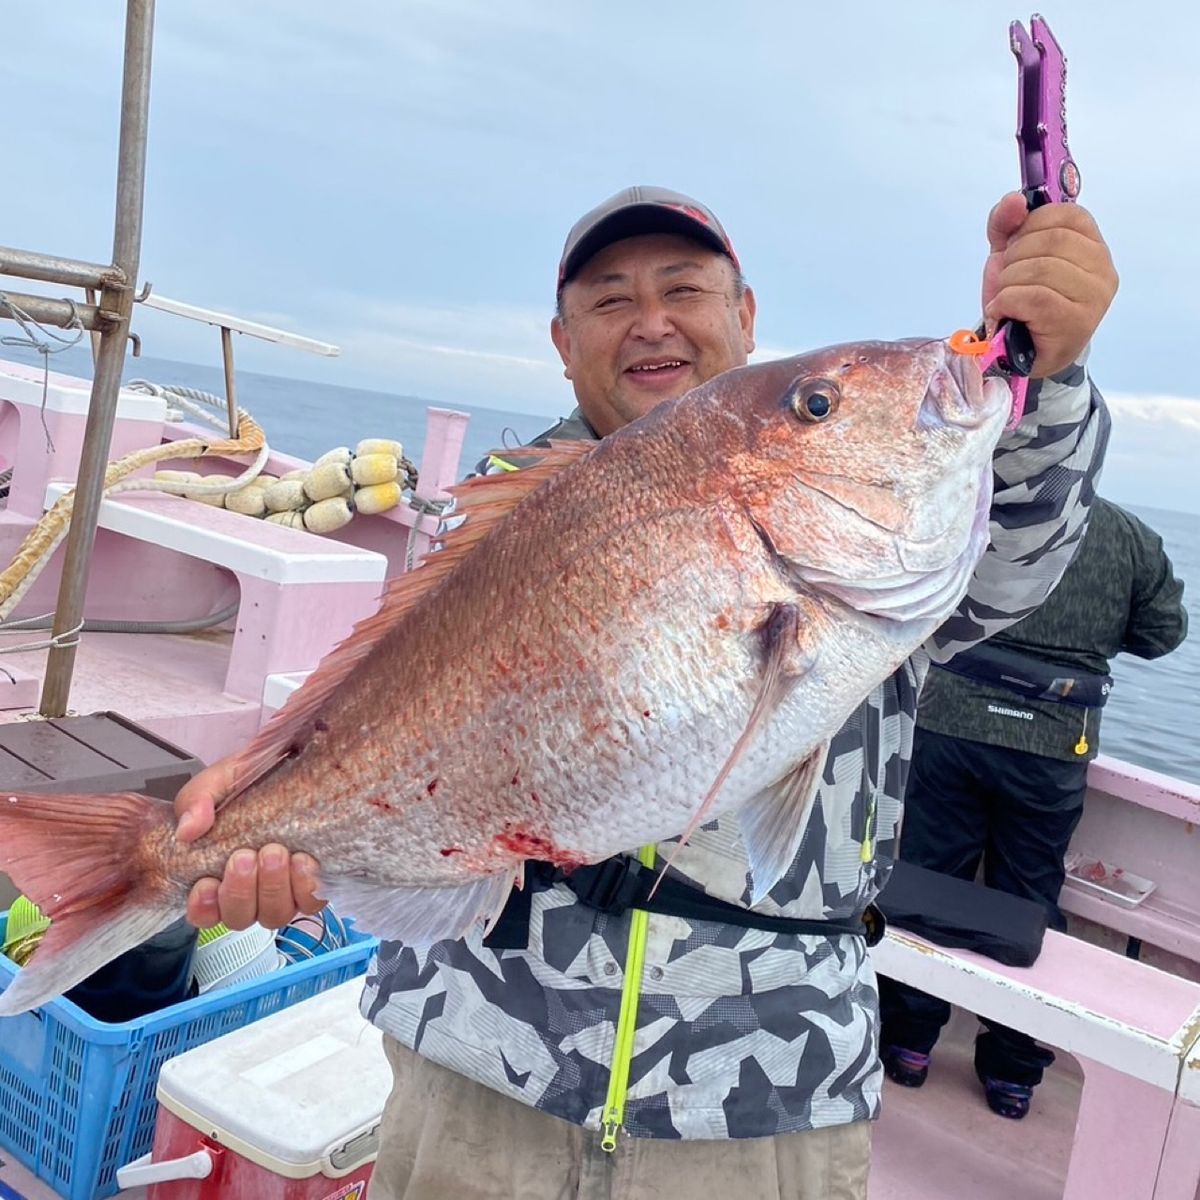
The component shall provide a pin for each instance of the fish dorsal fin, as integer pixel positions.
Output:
(484, 501)
(488, 499)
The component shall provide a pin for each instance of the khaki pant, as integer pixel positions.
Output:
(446, 1136)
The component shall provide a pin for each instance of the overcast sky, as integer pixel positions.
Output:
(397, 177)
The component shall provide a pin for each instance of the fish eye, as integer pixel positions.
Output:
(814, 399)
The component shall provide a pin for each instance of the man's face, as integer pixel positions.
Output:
(647, 319)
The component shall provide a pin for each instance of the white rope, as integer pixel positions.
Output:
(186, 400)
(191, 399)
(41, 345)
(190, 393)
(21, 624)
(59, 639)
(433, 508)
(177, 487)
(186, 406)
(177, 389)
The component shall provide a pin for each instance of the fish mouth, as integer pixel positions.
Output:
(958, 393)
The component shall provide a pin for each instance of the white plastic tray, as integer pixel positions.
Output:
(1107, 879)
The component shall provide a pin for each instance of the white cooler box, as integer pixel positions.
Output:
(286, 1108)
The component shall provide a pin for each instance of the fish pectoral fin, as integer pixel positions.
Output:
(772, 824)
(417, 916)
(784, 664)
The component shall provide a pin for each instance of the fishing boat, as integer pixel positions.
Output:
(190, 625)
(1120, 1114)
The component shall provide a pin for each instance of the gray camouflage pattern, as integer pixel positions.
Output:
(743, 1032)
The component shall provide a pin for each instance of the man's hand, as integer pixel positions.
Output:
(266, 887)
(1051, 269)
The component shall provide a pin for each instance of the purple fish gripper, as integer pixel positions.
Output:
(1048, 172)
(1048, 176)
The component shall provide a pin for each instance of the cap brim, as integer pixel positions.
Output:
(633, 221)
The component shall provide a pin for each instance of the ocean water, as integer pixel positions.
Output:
(1152, 717)
(1153, 714)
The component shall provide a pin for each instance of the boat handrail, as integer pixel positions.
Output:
(267, 333)
(1146, 787)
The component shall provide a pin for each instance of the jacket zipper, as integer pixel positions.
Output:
(631, 990)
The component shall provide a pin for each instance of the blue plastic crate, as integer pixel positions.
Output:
(77, 1096)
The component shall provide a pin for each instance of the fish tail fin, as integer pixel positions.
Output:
(81, 860)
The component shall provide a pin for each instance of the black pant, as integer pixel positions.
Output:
(1016, 811)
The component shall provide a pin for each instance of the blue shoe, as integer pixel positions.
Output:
(1009, 1100)
(909, 1068)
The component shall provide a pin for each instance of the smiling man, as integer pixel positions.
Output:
(754, 1069)
(651, 303)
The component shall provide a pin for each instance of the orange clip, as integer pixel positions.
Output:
(964, 341)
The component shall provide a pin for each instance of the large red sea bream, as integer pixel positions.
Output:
(618, 642)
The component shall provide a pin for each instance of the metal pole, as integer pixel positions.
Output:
(62, 313)
(230, 384)
(27, 264)
(106, 382)
(89, 294)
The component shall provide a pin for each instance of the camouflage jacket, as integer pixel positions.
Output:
(743, 1032)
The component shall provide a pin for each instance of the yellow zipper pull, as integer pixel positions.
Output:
(1081, 746)
(868, 842)
(631, 989)
(612, 1126)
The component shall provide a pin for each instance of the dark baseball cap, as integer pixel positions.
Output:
(638, 210)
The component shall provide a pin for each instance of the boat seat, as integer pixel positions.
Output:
(1133, 1029)
(300, 594)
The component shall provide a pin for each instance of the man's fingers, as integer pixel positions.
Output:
(304, 881)
(195, 820)
(1062, 216)
(1043, 310)
(238, 893)
(268, 886)
(1069, 245)
(1031, 303)
(203, 908)
(276, 903)
(1090, 290)
(196, 801)
(1005, 219)
(1065, 279)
